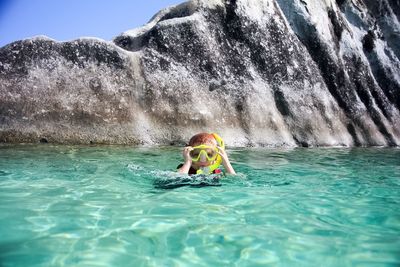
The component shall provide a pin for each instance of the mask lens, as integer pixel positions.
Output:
(211, 153)
(208, 152)
(195, 153)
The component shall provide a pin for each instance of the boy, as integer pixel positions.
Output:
(204, 155)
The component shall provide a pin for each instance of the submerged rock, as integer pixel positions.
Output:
(259, 72)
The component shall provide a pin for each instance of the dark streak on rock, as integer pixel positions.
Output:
(369, 41)
(337, 25)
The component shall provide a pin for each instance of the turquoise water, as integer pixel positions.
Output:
(98, 206)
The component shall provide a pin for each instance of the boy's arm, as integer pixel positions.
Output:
(228, 167)
(188, 160)
(185, 167)
(225, 161)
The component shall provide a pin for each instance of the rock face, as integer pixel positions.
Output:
(259, 72)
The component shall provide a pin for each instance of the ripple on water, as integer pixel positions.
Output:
(4, 173)
(98, 206)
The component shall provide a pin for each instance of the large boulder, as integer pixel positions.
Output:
(259, 72)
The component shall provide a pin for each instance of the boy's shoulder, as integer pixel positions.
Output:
(194, 171)
(191, 170)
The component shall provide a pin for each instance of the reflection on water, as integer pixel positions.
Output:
(111, 206)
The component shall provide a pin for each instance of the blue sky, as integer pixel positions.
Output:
(65, 20)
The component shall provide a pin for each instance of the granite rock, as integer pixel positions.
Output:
(259, 72)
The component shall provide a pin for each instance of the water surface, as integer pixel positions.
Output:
(98, 206)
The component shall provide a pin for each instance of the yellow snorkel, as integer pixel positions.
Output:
(218, 160)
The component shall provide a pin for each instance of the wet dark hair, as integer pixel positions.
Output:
(202, 138)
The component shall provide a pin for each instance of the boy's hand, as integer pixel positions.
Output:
(188, 160)
(225, 161)
(223, 154)
(186, 154)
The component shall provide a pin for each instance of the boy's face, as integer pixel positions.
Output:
(203, 160)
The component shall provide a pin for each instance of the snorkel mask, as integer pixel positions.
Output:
(208, 152)
(211, 154)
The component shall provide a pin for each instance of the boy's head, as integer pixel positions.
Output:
(203, 139)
